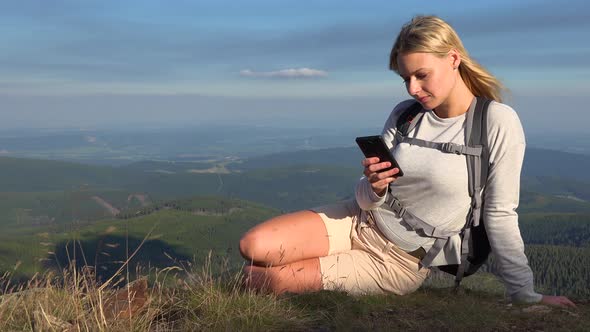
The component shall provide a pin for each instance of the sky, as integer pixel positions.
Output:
(324, 63)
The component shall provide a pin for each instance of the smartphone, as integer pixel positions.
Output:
(374, 146)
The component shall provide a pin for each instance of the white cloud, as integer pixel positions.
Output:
(285, 73)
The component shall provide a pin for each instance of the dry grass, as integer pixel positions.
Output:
(74, 301)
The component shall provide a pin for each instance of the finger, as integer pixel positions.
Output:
(377, 176)
(561, 301)
(564, 301)
(369, 161)
(375, 168)
(391, 173)
(380, 183)
(568, 302)
(379, 166)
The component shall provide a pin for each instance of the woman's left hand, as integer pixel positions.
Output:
(561, 301)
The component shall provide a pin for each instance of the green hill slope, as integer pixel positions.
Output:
(183, 230)
(28, 175)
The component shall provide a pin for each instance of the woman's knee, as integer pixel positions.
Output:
(254, 245)
(248, 244)
(285, 239)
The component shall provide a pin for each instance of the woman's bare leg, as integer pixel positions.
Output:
(286, 239)
(298, 277)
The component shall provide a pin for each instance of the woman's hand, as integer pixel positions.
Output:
(561, 301)
(379, 180)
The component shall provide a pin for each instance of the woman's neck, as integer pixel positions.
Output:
(457, 103)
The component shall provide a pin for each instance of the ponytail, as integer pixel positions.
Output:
(480, 81)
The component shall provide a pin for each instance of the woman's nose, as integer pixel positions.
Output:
(413, 87)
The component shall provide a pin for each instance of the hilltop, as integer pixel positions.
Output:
(203, 301)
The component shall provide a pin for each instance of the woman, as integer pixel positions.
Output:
(360, 246)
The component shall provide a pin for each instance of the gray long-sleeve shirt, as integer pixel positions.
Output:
(434, 188)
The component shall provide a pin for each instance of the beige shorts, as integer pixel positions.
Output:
(360, 260)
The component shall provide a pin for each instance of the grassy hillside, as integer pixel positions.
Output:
(185, 233)
(28, 175)
(535, 202)
(25, 209)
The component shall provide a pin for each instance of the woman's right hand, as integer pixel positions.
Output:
(379, 180)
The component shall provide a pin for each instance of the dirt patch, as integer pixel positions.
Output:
(216, 169)
(112, 210)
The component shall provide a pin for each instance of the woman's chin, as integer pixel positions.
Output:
(427, 105)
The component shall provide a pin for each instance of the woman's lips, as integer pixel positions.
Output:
(423, 99)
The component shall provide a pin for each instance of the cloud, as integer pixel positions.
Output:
(285, 73)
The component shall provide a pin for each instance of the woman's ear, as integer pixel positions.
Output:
(454, 58)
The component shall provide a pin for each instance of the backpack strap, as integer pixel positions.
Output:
(476, 130)
(441, 233)
(444, 147)
(407, 121)
(477, 170)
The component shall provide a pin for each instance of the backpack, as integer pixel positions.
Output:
(475, 246)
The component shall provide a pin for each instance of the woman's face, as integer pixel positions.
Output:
(429, 79)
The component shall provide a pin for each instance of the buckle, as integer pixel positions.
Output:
(476, 200)
(397, 207)
(448, 147)
(418, 253)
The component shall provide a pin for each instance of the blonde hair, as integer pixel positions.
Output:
(431, 34)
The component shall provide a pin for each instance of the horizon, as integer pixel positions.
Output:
(155, 64)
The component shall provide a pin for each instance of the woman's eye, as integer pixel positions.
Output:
(421, 76)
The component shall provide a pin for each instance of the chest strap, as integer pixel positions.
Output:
(447, 147)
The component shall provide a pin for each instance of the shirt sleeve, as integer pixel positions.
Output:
(366, 198)
(507, 146)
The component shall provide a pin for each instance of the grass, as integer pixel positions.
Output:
(211, 297)
(196, 301)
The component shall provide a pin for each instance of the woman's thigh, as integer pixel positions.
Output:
(300, 235)
(286, 239)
